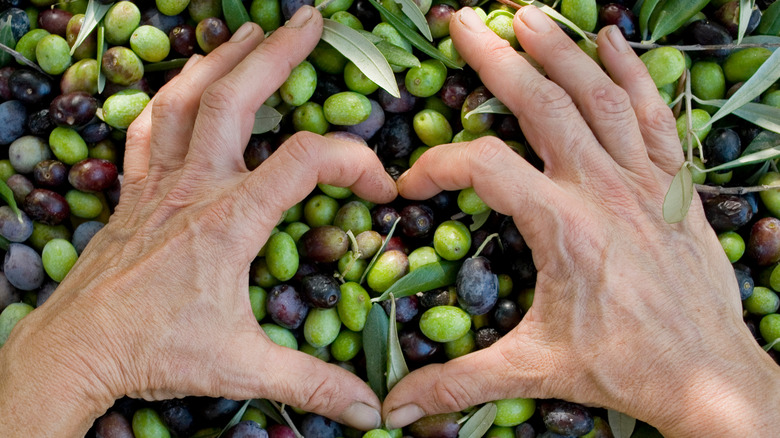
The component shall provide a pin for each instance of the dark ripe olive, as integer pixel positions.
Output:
(113, 425)
(565, 418)
(620, 16)
(406, 308)
(46, 207)
(478, 238)
(393, 104)
(95, 132)
(438, 297)
(50, 174)
(319, 426)
(211, 33)
(323, 244)
(183, 40)
(397, 244)
(506, 315)
(454, 91)
(29, 86)
(395, 171)
(20, 22)
(436, 426)
(417, 220)
(6, 4)
(468, 3)
(257, 151)
(177, 416)
(728, 16)
(305, 268)
(366, 13)
(281, 431)
(523, 270)
(246, 429)
(327, 85)
(745, 282)
(416, 346)
(113, 192)
(54, 21)
(747, 132)
(21, 186)
(289, 7)
(525, 430)
(92, 175)
(214, 410)
(367, 128)
(320, 290)
(508, 128)
(763, 246)
(438, 18)
(165, 23)
(383, 217)
(396, 139)
(485, 337)
(73, 110)
(477, 286)
(510, 236)
(706, 32)
(286, 307)
(40, 123)
(445, 203)
(727, 212)
(5, 87)
(721, 146)
(476, 123)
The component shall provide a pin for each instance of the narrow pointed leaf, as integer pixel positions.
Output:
(425, 278)
(764, 140)
(770, 40)
(267, 408)
(644, 16)
(362, 53)
(396, 365)
(235, 14)
(94, 13)
(165, 65)
(492, 106)
(770, 20)
(370, 36)
(555, 15)
(478, 220)
(765, 116)
(8, 196)
(236, 418)
(678, 198)
(756, 157)
(745, 11)
(396, 55)
(266, 119)
(673, 15)
(7, 39)
(101, 49)
(413, 12)
(410, 34)
(375, 348)
(480, 422)
(621, 424)
(378, 253)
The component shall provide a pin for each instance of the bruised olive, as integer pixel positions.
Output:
(323, 244)
(727, 212)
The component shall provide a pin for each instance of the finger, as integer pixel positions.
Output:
(502, 178)
(228, 106)
(655, 119)
(267, 370)
(604, 106)
(175, 108)
(510, 368)
(547, 115)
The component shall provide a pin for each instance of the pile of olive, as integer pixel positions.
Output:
(311, 285)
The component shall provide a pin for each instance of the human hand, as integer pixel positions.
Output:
(629, 312)
(157, 306)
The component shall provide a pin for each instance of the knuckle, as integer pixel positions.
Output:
(485, 152)
(220, 97)
(551, 100)
(561, 48)
(322, 397)
(609, 102)
(657, 118)
(302, 147)
(498, 52)
(167, 103)
(449, 396)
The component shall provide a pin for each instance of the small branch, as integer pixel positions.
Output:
(19, 57)
(679, 91)
(717, 190)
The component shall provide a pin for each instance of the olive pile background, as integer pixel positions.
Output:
(61, 158)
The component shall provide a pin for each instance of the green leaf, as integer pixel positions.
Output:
(236, 418)
(673, 15)
(479, 219)
(765, 116)
(95, 12)
(165, 65)
(756, 157)
(267, 408)
(769, 346)
(770, 21)
(648, 7)
(362, 53)
(396, 366)
(756, 176)
(745, 11)
(764, 140)
(266, 119)
(101, 49)
(764, 39)
(411, 10)
(425, 278)
(375, 347)
(8, 196)
(621, 424)
(378, 253)
(555, 15)
(678, 198)
(4, 243)
(7, 39)
(235, 14)
(479, 422)
(396, 55)
(763, 78)
(370, 36)
(492, 106)
(417, 41)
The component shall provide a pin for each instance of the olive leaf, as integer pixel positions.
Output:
(621, 424)
(765, 116)
(764, 140)
(769, 346)
(378, 253)
(7, 39)
(366, 57)
(396, 55)
(679, 196)
(479, 219)
(235, 14)
(267, 408)
(479, 422)
(648, 7)
(4, 243)
(770, 20)
(745, 11)
(396, 366)
(555, 15)
(375, 347)
(101, 50)
(763, 78)
(425, 278)
(236, 418)
(94, 13)
(413, 12)
(770, 42)
(417, 41)
(672, 15)
(492, 106)
(756, 176)
(8, 196)
(266, 119)
(165, 65)
(756, 157)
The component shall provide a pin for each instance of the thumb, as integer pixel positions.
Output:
(288, 376)
(510, 368)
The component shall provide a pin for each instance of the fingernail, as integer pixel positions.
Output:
(470, 19)
(362, 416)
(300, 18)
(243, 32)
(535, 19)
(191, 62)
(405, 415)
(616, 39)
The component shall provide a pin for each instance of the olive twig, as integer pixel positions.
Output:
(718, 190)
(679, 92)
(287, 418)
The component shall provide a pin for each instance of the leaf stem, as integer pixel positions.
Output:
(688, 116)
(769, 346)
(484, 244)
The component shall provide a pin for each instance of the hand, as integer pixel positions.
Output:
(629, 312)
(157, 306)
